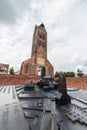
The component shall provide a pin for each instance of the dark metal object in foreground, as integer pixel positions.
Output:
(29, 87)
(49, 107)
(47, 83)
(42, 112)
(32, 107)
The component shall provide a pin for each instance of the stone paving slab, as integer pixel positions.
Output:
(11, 114)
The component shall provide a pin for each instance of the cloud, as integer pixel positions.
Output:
(7, 12)
(66, 25)
(11, 10)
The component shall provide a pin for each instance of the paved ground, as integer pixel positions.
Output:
(11, 114)
(80, 95)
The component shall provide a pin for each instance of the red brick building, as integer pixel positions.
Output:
(4, 68)
(32, 66)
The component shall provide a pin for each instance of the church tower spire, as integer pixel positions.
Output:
(39, 45)
(34, 65)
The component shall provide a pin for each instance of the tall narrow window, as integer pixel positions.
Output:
(49, 71)
(30, 69)
(25, 68)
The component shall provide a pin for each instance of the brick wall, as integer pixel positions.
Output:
(77, 82)
(21, 79)
(16, 79)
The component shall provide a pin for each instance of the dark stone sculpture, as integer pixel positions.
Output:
(62, 83)
(62, 97)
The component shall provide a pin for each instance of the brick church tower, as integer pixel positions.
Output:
(32, 66)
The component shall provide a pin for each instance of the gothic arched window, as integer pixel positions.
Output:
(30, 69)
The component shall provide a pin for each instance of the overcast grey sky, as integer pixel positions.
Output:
(65, 22)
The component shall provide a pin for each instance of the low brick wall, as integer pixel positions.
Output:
(77, 82)
(21, 79)
(16, 79)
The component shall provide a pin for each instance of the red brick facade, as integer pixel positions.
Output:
(38, 58)
(77, 82)
(7, 79)
(21, 79)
